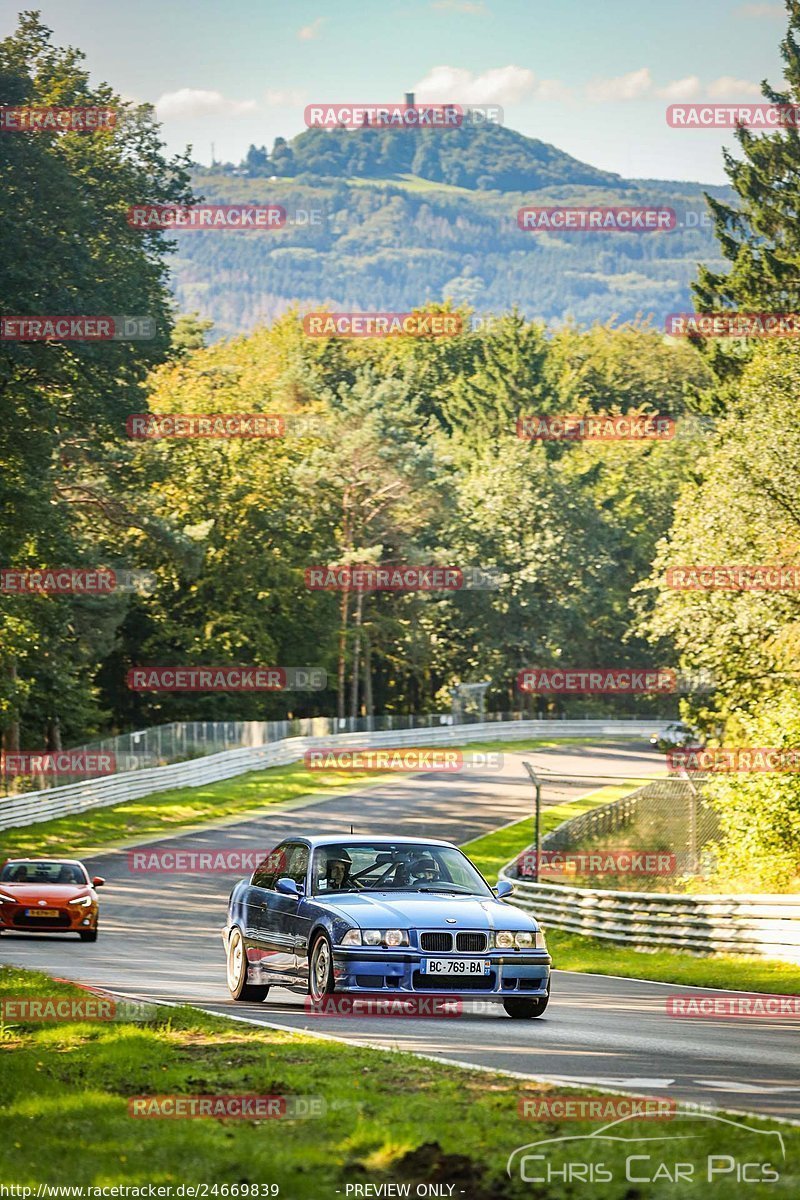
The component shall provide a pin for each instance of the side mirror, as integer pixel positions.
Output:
(504, 888)
(97, 881)
(288, 887)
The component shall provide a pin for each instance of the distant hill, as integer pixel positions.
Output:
(390, 219)
(478, 157)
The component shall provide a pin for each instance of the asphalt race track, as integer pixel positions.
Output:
(160, 938)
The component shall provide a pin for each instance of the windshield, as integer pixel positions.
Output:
(42, 872)
(393, 867)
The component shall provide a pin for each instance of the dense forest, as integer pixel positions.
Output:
(413, 456)
(405, 243)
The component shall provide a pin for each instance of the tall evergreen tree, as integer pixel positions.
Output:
(760, 235)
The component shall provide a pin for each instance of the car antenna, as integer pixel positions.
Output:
(351, 829)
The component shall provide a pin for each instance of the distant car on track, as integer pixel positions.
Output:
(677, 736)
(399, 917)
(48, 895)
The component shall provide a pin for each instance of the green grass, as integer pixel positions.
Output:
(388, 1117)
(574, 952)
(742, 972)
(411, 183)
(166, 812)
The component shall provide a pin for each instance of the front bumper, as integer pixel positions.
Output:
(512, 973)
(70, 918)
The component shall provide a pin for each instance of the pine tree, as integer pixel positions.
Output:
(760, 236)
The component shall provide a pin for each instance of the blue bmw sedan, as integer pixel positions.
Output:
(406, 917)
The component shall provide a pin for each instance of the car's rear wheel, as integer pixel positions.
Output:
(238, 986)
(320, 969)
(522, 1010)
(88, 935)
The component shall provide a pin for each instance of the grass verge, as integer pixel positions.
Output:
(182, 808)
(388, 1118)
(574, 952)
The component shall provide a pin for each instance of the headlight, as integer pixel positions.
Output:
(375, 937)
(83, 901)
(540, 943)
(387, 937)
(7, 899)
(504, 940)
(523, 939)
(396, 937)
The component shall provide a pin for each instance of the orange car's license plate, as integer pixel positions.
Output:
(41, 912)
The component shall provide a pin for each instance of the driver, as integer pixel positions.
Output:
(424, 869)
(337, 864)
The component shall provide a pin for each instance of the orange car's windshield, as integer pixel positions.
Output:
(43, 872)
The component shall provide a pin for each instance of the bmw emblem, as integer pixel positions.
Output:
(450, 920)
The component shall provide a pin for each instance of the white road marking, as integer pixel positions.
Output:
(736, 1085)
(607, 1081)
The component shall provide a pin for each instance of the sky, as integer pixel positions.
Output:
(592, 78)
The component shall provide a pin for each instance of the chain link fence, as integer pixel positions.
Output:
(668, 815)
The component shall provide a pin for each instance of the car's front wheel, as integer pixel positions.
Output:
(88, 935)
(238, 986)
(320, 969)
(521, 1009)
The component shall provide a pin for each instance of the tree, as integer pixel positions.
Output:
(282, 157)
(742, 508)
(760, 235)
(375, 490)
(257, 160)
(67, 250)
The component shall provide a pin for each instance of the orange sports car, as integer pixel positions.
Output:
(49, 895)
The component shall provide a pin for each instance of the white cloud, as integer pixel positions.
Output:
(757, 11)
(687, 88)
(622, 87)
(461, 6)
(638, 84)
(195, 102)
(728, 88)
(284, 97)
(310, 31)
(553, 89)
(500, 85)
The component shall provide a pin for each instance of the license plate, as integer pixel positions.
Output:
(41, 912)
(456, 966)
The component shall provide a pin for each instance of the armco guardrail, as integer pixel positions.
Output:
(767, 925)
(30, 808)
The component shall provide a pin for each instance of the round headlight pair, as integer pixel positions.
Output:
(505, 939)
(386, 937)
(375, 937)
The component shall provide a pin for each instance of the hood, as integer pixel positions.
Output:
(57, 893)
(409, 910)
